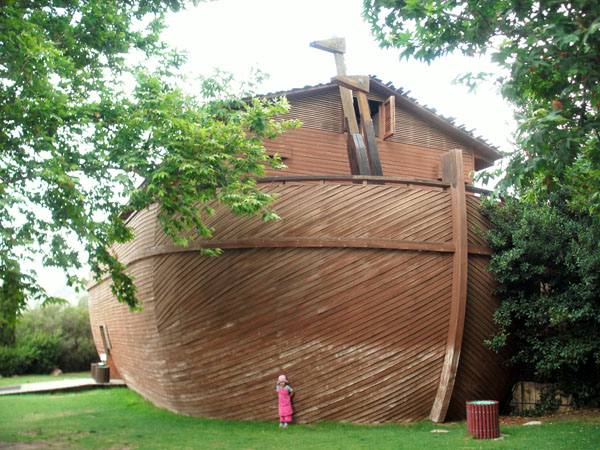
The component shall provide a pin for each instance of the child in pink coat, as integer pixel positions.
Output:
(285, 392)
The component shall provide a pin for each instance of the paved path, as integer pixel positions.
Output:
(72, 384)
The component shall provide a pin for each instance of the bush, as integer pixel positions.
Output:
(35, 353)
(547, 262)
(71, 325)
(11, 361)
(50, 337)
(39, 352)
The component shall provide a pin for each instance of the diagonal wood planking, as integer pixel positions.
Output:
(361, 332)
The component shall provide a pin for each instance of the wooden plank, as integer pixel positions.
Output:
(363, 107)
(348, 108)
(478, 361)
(359, 83)
(372, 152)
(388, 119)
(352, 301)
(317, 151)
(340, 64)
(389, 244)
(452, 172)
(351, 178)
(357, 155)
(369, 132)
(333, 45)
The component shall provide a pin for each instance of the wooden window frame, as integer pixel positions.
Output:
(387, 118)
(104, 337)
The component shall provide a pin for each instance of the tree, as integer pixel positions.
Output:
(69, 327)
(546, 260)
(549, 53)
(95, 114)
(546, 253)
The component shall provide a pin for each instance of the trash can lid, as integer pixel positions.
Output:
(483, 402)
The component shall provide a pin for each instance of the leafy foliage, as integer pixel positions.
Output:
(94, 113)
(70, 326)
(546, 255)
(549, 53)
(54, 336)
(546, 260)
(35, 353)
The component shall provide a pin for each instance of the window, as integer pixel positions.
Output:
(382, 114)
(388, 119)
(105, 339)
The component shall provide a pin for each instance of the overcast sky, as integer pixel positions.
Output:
(274, 36)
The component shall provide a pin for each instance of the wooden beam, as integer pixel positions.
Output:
(356, 82)
(346, 178)
(340, 64)
(357, 155)
(334, 45)
(369, 132)
(372, 152)
(452, 172)
(357, 152)
(299, 242)
(348, 108)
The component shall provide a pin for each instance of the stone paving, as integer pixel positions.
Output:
(66, 385)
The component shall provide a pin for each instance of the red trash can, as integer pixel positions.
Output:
(483, 419)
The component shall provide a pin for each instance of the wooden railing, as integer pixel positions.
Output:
(367, 179)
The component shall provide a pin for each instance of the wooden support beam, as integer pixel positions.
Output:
(452, 172)
(358, 158)
(357, 155)
(340, 64)
(348, 109)
(372, 152)
(357, 82)
(369, 133)
(333, 45)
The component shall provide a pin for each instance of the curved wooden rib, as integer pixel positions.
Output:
(452, 170)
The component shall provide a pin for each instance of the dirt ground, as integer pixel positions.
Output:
(593, 413)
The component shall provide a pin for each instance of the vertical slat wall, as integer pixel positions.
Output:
(321, 110)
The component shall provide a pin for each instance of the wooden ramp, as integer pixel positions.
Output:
(66, 385)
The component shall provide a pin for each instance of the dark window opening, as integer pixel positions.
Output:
(105, 339)
(374, 108)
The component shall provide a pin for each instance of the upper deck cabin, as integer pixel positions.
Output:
(410, 138)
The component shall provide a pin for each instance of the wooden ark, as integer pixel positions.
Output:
(370, 293)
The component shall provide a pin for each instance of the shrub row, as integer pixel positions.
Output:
(35, 353)
(48, 338)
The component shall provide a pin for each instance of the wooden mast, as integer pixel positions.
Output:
(452, 172)
(363, 160)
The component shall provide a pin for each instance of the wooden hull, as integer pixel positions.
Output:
(350, 295)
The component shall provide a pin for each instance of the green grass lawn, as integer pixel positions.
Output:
(119, 418)
(10, 381)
